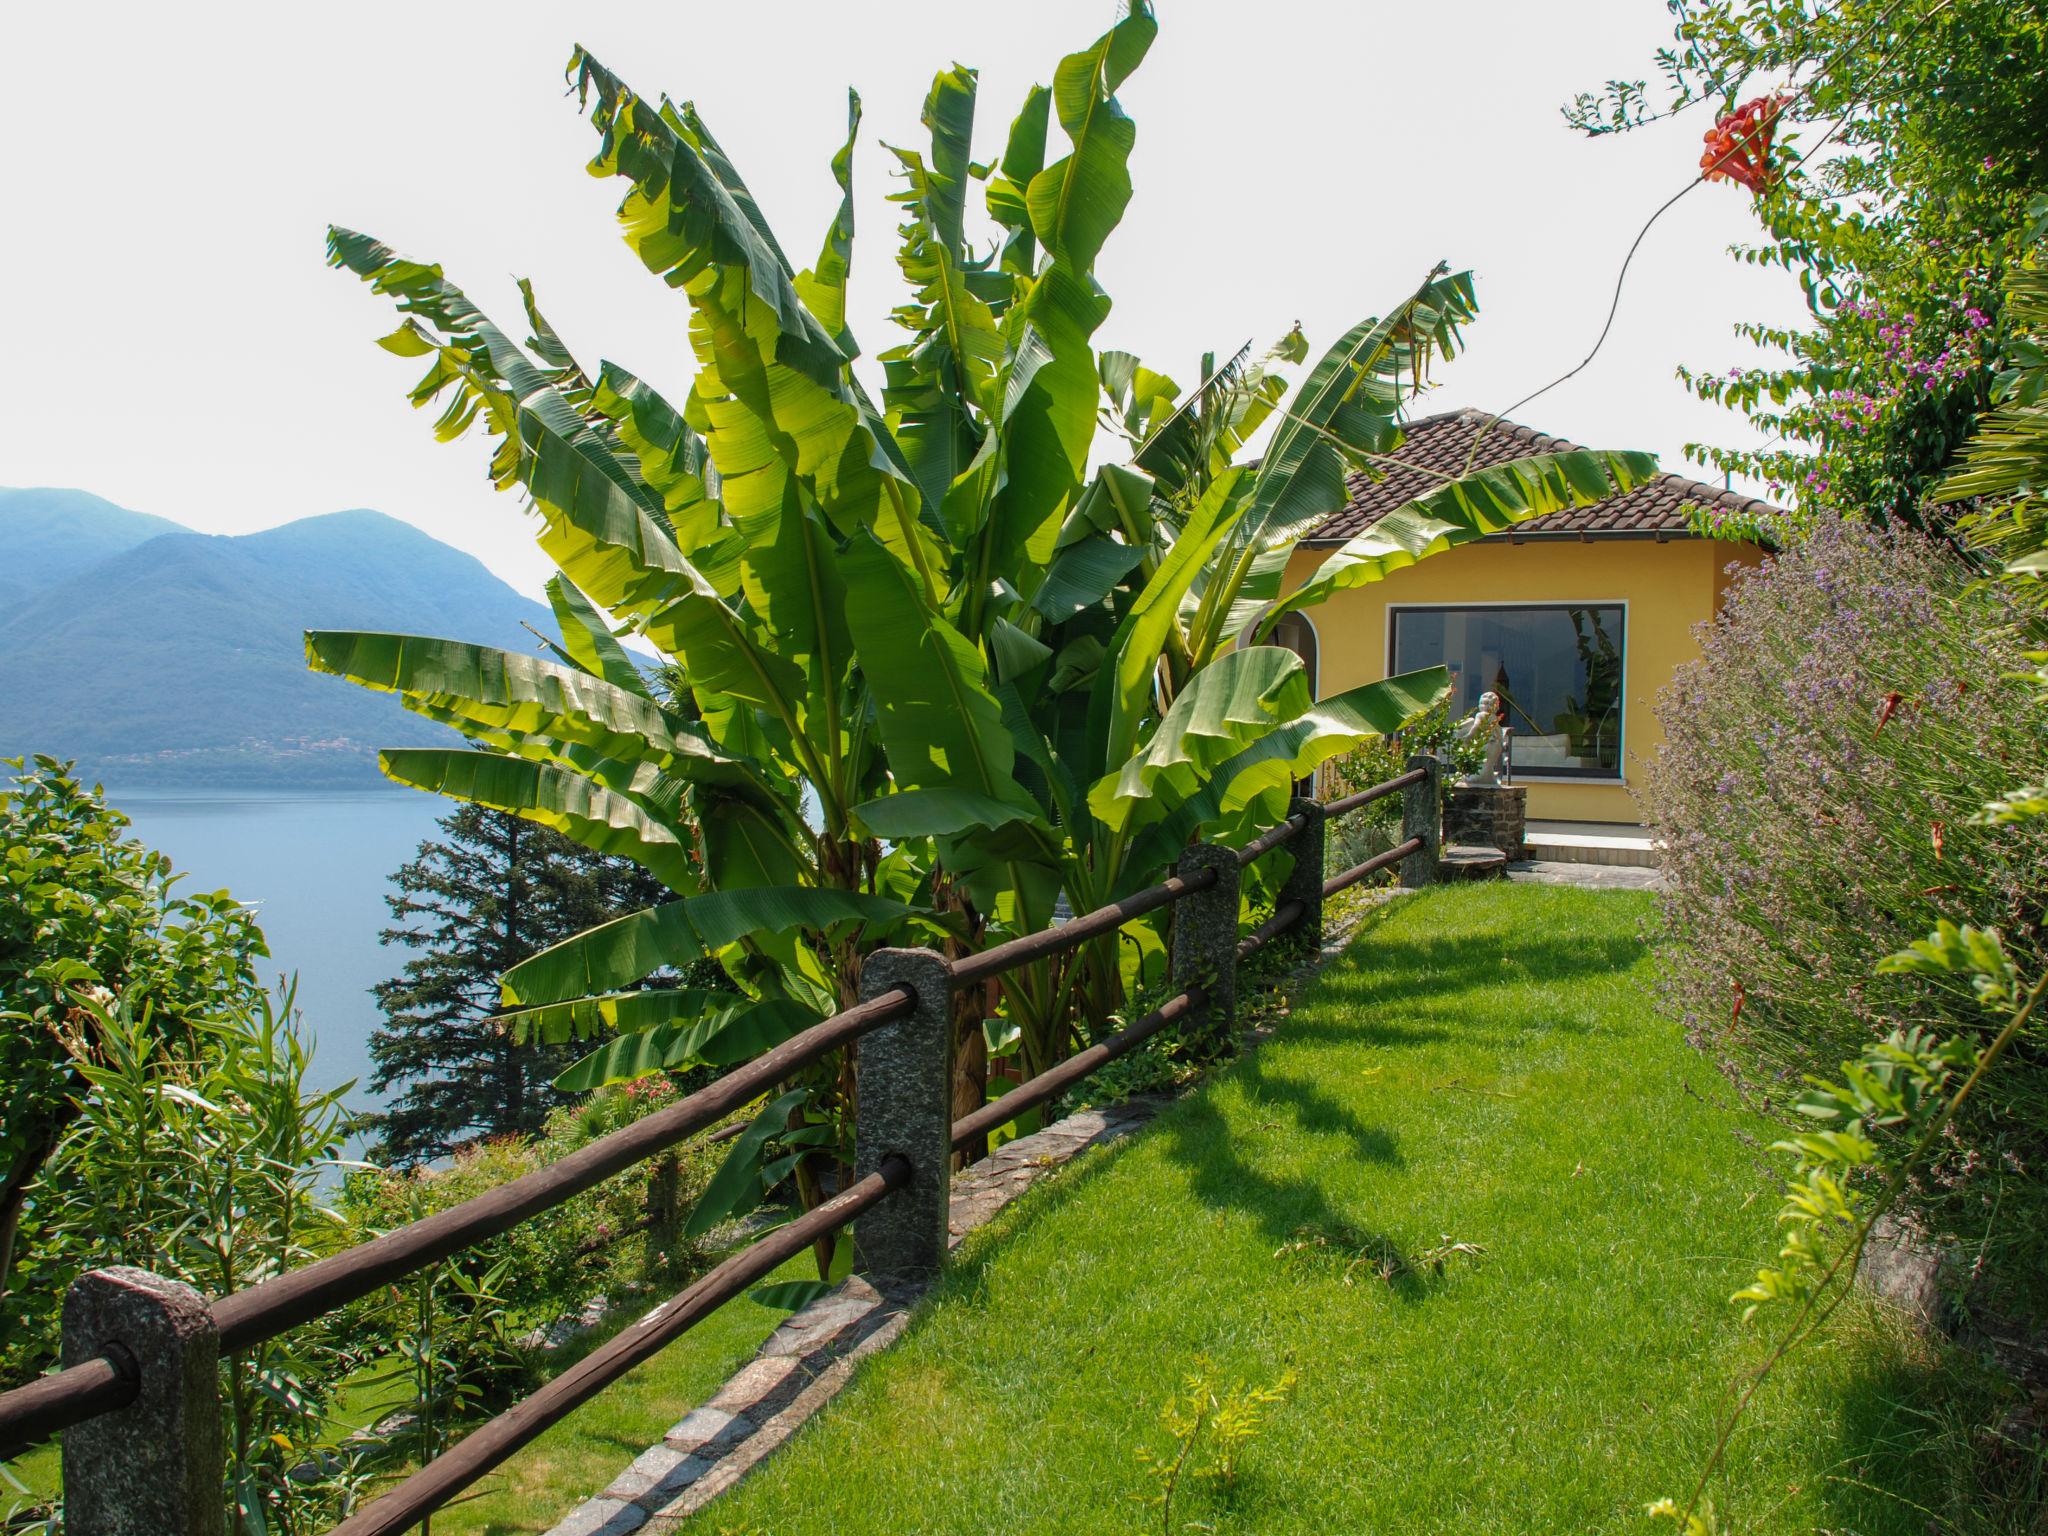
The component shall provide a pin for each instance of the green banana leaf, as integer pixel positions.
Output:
(1274, 762)
(1232, 701)
(721, 1038)
(506, 691)
(579, 808)
(617, 954)
(588, 640)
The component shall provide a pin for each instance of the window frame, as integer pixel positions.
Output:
(1556, 775)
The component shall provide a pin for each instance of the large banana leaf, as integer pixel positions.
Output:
(1078, 200)
(1488, 501)
(1073, 204)
(505, 691)
(577, 807)
(720, 1037)
(587, 640)
(1275, 760)
(762, 351)
(1124, 690)
(1301, 476)
(943, 728)
(615, 955)
(823, 287)
(617, 1013)
(1237, 698)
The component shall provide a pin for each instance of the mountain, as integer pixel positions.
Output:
(177, 659)
(47, 535)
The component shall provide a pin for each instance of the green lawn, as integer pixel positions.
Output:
(1483, 1067)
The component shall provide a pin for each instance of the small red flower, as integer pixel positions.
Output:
(1890, 707)
(1739, 145)
(1934, 829)
(1741, 996)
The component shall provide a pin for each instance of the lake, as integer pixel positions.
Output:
(315, 867)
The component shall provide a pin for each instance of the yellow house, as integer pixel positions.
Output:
(1577, 620)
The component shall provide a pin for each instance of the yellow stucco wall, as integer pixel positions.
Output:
(1668, 587)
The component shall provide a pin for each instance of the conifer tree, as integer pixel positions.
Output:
(491, 891)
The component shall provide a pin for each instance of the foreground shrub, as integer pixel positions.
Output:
(1853, 709)
(624, 1231)
(86, 909)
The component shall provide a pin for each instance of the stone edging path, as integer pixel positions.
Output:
(813, 1354)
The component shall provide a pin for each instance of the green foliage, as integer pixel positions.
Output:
(1208, 1427)
(552, 1264)
(1933, 115)
(2003, 476)
(199, 1153)
(922, 662)
(92, 924)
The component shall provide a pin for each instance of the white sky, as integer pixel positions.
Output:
(173, 341)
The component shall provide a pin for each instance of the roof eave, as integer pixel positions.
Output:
(1539, 536)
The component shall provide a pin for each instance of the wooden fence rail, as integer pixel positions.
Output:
(138, 1394)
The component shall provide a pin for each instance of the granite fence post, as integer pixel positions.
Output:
(1205, 941)
(1304, 882)
(903, 1084)
(156, 1467)
(1422, 813)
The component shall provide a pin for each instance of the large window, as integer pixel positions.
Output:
(1557, 668)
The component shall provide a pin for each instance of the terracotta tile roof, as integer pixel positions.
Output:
(1440, 443)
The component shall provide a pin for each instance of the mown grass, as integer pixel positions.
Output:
(1483, 1067)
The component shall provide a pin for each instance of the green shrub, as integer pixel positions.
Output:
(89, 916)
(198, 1152)
(1854, 706)
(622, 1232)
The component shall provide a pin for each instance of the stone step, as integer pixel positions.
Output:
(1463, 861)
(1569, 844)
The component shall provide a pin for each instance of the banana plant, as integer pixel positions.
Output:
(928, 669)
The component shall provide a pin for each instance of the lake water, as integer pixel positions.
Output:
(315, 866)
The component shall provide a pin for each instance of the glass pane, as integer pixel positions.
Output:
(1558, 671)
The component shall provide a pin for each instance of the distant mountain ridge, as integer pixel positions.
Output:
(159, 656)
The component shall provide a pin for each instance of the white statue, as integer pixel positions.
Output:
(1484, 723)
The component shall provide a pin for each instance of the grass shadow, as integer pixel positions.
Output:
(1922, 1448)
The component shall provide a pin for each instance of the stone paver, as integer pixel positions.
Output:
(813, 1354)
(1598, 877)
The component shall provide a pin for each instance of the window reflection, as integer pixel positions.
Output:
(1557, 668)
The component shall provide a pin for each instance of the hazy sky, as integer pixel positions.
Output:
(173, 341)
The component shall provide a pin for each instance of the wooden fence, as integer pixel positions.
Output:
(138, 1396)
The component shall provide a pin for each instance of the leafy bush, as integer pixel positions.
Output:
(85, 907)
(198, 1152)
(555, 1262)
(1855, 705)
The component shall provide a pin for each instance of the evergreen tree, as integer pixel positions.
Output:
(494, 892)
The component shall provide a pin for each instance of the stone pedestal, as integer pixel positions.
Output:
(1487, 816)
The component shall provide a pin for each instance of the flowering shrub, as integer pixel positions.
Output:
(1854, 707)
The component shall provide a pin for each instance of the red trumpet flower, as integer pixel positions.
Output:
(1741, 996)
(1739, 145)
(1890, 707)
(1934, 830)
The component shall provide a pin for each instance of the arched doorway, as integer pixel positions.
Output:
(1299, 636)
